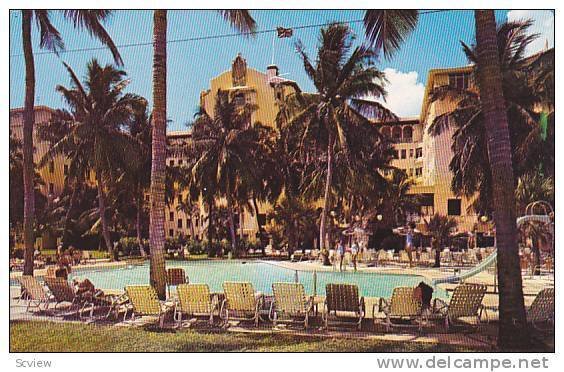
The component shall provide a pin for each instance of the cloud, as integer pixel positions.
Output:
(405, 93)
(543, 25)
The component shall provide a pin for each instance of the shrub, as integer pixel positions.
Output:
(129, 246)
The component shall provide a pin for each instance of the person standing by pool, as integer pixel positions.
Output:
(341, 253)
(354, 253)
(409, 243)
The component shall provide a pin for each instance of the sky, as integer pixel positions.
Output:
(192, 64)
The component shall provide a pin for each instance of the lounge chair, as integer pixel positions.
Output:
(403, 257)
(175, 276)
(62, 291)
(194, 299)
(144, 301)
(541, 310)
(466, 302)
(343, 301)
(240, 303)
(290, 300)
(33, 292)
(382, 257)
(401, 307)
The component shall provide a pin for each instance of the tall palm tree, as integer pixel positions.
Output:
(138, 173)
(342, 76)
(99, 108)
(50, 39)
(532, 187)
(386, 30)
(59, 126)
(223, 160)
(241, 20)
(512, 318)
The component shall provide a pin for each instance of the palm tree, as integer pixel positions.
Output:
(532, 187)
(342, 76)
(138, 174)
(396, 200)
(50, 39)
(241, 20)
(540, 234)
(223, 161)
(440, 228)
(512, 318)
(386, 30)
(99, 109)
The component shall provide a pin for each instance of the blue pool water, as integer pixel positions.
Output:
(260, 274)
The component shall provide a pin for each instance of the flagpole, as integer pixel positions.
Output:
(273, 40)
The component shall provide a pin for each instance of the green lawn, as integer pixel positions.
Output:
(57, 337)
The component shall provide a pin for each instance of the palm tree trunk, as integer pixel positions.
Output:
(537, 258)
(27, 144)
(259, 227)
(103, 219)
(211, 249)
(512, 319)
(323, 223)
(68, 215)
(231, 225)
(158, 166)
(138, 221)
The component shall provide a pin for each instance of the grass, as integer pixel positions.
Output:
(72, 337)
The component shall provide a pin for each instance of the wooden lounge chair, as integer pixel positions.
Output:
(33, 292)
(382, 257)
(175, 276)
(290, 300)
(403, 306)
(541, 310)
(240, 303)
(194, 299)
(62, 292)
(343, 301)
(466, 302)
(144, 301)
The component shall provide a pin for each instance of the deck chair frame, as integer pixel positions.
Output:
(466, 302)
(240, 303)
(343, 298)
(144, 301)
(290, 300)
(194, 299)
(401, 306)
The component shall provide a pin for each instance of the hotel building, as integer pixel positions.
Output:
(425, 158)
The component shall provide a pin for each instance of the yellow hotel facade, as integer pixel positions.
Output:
(425, 158)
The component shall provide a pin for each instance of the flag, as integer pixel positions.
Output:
(284, 32)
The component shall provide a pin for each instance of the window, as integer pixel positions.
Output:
(403, 153)
(386, 131)
(407, 133)
(410, 153)
(180, 161)
(170, 232)
(459, 81)
(51, 188)
(51, 166)
(171, 216)
(410, 172)
(396, 133)
(396, 154)
(419, 152)
(454, 207)
(172, 162)
(147, 198)
(418, 172)
(66, 170)
(180, 223)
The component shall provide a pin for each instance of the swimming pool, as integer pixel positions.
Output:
(261, 274)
